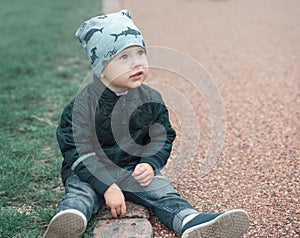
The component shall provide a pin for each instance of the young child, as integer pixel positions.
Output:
(115, 136)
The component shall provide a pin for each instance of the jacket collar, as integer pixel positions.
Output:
(106, 94)
(102, 90)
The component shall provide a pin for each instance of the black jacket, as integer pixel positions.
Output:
(99, 129)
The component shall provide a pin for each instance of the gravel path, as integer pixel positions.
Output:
(251, 49)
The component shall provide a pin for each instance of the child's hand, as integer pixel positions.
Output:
(143, 173)
(115, 201)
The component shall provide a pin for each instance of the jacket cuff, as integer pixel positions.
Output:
(99, 186)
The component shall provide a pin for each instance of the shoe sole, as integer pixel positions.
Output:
(231, 224)
(66, 224)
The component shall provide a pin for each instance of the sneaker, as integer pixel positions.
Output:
(230, 224)
(70, 223)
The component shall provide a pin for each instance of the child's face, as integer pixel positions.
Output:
(126, 70)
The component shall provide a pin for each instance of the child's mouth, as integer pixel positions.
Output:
(137, 76)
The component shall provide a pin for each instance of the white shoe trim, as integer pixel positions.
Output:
(231, 224)
(69, 223)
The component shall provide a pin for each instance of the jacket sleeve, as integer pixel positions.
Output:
(76, 140)
(162, 137)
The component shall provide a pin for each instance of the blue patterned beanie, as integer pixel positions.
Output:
(103, 37)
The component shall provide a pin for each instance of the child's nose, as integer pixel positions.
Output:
(136, 62)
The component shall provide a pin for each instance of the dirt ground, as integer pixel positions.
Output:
(251, 51)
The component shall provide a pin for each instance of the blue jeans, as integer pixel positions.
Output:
(159, 196)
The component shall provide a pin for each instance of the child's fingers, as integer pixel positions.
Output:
(139, 169)
(144, 180)
(137, 173)
(118, 211)
(113, 213)
(123, 210)
(141, 176)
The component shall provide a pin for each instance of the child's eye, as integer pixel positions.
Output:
(141, 52)
(123, 57)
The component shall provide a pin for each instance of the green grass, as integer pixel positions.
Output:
(42, 66)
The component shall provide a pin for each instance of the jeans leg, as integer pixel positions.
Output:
(162, 198)
(80, 196)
